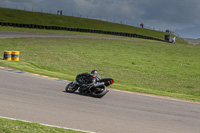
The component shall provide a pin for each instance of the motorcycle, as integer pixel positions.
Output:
(89, 84)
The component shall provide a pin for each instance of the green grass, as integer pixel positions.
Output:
(15, 126)
(25, 17)
(136, 65)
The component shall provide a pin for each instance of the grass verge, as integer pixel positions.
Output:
(136, 65)
(16, 126)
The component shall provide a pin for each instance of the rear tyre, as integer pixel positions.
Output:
(71, 87)
(99, 92)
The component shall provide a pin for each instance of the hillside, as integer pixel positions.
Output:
(25, 17)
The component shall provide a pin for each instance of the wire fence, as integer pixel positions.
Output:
(100, 18)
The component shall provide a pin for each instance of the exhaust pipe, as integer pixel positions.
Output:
(99, 84)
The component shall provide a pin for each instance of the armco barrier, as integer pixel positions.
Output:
(79, 30)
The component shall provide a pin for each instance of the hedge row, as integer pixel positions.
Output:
(78, 30)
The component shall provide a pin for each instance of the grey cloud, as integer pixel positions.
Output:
(176, 11)
(118, 9)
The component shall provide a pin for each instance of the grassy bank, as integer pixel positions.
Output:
(136, 65)
(25, 17)
(15, 126)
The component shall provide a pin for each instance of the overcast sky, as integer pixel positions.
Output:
(176, 15)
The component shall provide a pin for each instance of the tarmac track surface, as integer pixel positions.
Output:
(37, 99)
(32, 98)
(12, 34)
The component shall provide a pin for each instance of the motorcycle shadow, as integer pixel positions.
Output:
(82, 94)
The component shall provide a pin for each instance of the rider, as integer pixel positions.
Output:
(84, 86)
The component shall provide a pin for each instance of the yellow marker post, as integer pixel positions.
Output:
(15, 55)
(7, 55)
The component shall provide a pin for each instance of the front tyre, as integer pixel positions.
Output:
(71, 87)
(99, 92)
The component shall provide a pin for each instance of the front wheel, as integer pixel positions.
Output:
(71, 87)
(99, 92)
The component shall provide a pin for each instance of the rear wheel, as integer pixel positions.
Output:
(71, 87)
(99, 92)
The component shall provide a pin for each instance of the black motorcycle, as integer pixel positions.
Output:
(89, 84)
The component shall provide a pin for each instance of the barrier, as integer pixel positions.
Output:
(7, 55)
(15, 55)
